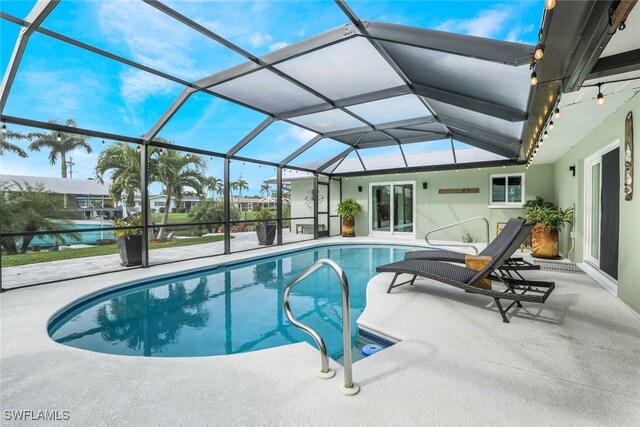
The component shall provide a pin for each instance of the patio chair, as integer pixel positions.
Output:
(513, 227)
(468, 279)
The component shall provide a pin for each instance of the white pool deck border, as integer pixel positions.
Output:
(572, 361)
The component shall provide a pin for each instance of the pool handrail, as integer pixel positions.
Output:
(349, 388)
(469, 245)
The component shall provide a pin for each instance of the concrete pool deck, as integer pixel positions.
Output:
(573, 361)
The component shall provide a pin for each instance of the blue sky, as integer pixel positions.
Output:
(59, 81)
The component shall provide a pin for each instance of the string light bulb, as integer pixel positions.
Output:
(539, 53)
(546, 134)
(534, 79)
(556, 113)
(600, 98)
(551, 125)
(549, 4)
(59, 137)
(4, 128)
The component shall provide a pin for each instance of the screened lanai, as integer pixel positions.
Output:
(352, 97)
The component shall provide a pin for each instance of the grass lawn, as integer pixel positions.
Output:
(156, 217)
(37, 257)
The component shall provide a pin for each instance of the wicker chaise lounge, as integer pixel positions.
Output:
(466, 278)
(512, 228)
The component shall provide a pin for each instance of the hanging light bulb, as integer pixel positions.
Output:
(556, 113)
(549, 4)
(534, 79)
(546, 134)
(551, 126)
(539, 53)
(4, 128)
(59, 137)
(600, 98)
(103, 141)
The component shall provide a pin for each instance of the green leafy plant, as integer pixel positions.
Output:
(538, 202)
(554, 219)
(265, 217)
(132, 221)
(349, 208)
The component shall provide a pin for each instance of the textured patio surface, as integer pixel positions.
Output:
(22, 275)
(573, 361)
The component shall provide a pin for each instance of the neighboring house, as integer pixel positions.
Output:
(85, 195)
(159, 201)
(246, 204)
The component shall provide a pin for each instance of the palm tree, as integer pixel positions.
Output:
(7, 147)
(215, 185)
(123, 161)
(60, 144)
(177, 171)
(241, 184)
(265, 189)
(31, 208)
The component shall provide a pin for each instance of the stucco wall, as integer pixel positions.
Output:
(570, 190)
(435, 210)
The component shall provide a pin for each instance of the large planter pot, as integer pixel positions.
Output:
(348, 227)
(266, 234)
(130, 250)
(544, 243)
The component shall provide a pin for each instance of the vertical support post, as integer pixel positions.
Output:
(227, 207)
(340, 220)
(329, 208)
(279, 205)
(315, 205)
(144, 202)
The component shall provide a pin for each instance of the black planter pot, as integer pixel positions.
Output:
(266, 234)
(130, 249)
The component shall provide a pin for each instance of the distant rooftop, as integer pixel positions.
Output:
(84, 187)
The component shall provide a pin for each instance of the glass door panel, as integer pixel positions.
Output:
(323, 209)
(403, 208)
(595, 211)
(381, 208)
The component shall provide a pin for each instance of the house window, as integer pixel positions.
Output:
(507, 190)
(158, 204)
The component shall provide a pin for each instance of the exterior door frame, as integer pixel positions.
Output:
(589, 162)
(392, 208)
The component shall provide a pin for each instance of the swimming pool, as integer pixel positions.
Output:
(225, 310)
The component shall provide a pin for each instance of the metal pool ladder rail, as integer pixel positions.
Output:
(349, 388)
(475, 249)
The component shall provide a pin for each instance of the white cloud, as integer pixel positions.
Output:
(515, 35)
(299, 134)
(258, 39)
(138, 85)
(486, 23)
(277, 45)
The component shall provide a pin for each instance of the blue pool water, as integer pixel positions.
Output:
(226, 310)
(86, 238)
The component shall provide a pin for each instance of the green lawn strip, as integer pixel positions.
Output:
(37, 257)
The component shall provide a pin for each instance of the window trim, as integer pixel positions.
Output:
(507, 204)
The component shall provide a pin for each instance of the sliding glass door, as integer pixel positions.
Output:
(392, 208)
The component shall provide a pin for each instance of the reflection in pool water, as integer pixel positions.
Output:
(226, 310)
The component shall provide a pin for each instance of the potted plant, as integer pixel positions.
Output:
(129, 240)
(348, 209)
(265, 227)
(549, 220)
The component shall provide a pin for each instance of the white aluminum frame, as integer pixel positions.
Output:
(589, 162)
(391, 232)
(506, 204)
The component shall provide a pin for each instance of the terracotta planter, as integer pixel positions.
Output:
(348, 227)
(544, 244)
